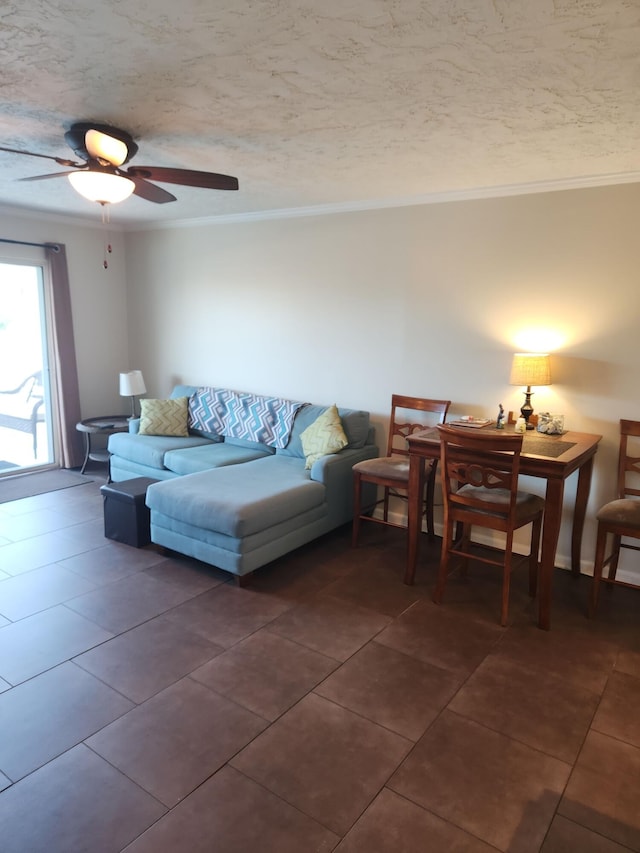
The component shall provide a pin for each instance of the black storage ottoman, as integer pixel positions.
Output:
(126, 517)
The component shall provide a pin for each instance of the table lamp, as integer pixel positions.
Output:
(131, 385)
(529, 368)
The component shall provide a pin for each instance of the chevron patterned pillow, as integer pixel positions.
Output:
(164, 417)
(325, 435)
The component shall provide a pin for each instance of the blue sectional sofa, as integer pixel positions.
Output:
(236, 503)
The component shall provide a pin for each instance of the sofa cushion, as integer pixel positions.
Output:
(183, 391)
(325, 435)
(250, 445)
(190, 460)
(354, 422)
(149, 450)
(164, 417)
(239, 500)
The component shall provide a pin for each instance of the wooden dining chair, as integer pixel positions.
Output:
(620, 517)
(391, 472)
(479, 473)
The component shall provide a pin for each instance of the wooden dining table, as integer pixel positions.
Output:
(552, 458)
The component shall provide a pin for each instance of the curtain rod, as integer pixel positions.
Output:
(54, 246)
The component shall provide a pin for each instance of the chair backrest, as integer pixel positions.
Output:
(27, 387)
(628, 464)
(400, 427)
(487, 461)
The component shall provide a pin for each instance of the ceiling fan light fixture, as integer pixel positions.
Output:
(101, 146)
(102, 187)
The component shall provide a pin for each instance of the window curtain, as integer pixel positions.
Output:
(64, 354)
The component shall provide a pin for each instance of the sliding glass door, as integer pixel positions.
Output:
(26, 432)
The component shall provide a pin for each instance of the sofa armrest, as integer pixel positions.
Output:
(134, 425)
(338, 465)
(335, 473)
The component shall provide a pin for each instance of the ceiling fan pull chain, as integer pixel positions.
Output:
(105, 224)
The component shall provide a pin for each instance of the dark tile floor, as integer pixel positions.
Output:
(147, 704)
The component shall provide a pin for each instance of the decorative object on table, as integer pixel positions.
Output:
(468, 421)
(521, 426)
(132, 385)
(530, 369)
(500, 419)
(550, 424)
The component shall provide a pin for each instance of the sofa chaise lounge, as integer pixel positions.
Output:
(235, 502)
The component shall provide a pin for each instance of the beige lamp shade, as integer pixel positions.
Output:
(530, 368)
(132, 383)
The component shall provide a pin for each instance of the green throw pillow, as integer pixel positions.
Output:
(164, 417)
(325, 435)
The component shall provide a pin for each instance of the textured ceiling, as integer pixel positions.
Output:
(332, 103)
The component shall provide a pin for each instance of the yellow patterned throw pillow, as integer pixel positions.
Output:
(325, 435)
(164, 417)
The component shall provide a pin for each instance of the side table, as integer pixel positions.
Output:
(105, 425)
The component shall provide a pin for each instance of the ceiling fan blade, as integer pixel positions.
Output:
(149, 191)
(45, 177)
(185, 177)
(59, 160)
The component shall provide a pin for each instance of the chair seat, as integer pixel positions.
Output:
(390, 473)
(480, 489)
(625, 511)
(619, 520)
(387, 467)
(526, 503)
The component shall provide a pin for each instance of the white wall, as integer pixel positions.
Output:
(428, 300)
(99, 300)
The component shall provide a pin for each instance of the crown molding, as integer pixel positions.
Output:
(474, 194)
(445, 197)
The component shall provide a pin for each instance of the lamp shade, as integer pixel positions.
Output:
(132, 384)
(102, 146)
(103, 187)
(530, 368)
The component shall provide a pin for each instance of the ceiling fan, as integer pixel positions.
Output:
(99, 177)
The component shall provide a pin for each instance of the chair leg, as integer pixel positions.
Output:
(447, 538)
(615, 556)
(431, 487)
(465, 545)
(534, 556)
(506, 580)
(385, 513)
(357, 489)
(601, 541)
